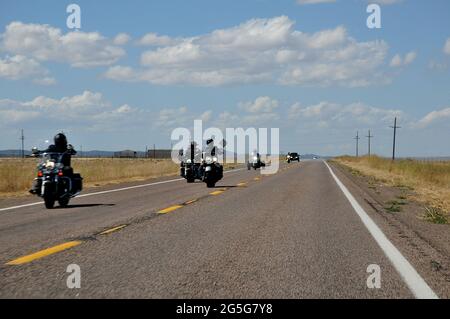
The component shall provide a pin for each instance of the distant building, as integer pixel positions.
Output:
(125, 154)
(159, 154)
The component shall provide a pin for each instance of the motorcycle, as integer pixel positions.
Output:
(56, 182)
(255, 162)
(212, 170)
(189, 168)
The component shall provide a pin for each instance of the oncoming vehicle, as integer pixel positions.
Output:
(56, 182)
(292, 157)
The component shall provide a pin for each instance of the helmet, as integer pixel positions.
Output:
(209, 141)
(60, 140)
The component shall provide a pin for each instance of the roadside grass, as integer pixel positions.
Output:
(16, 175)
(429, 180)
(435, 215)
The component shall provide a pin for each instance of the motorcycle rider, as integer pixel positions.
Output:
(60, 146)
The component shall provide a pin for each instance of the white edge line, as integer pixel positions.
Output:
(413, 280)
(112, 191)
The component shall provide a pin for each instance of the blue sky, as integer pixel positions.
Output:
(313, 70)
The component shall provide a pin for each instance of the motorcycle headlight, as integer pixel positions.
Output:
(208, 159)
(50, 165)
(215, 159)
(208, 168)
(188, 161)
(255, 158)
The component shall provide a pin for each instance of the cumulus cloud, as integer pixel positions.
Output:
(447, 47)
(19, 67)
(442, 115)
(121, 39)
(333, 114)
(88, 110)
(258, 51)
(398, 61)
(42, 42)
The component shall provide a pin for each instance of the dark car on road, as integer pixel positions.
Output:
(292, 157)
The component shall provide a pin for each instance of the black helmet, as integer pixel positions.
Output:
(209, 141)
(60, 140)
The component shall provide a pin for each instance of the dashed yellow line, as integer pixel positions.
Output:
(43, 253)
(243, 184)
(111, 230)
(190, 201)
(217, 192)
(257, 178)
(169, 209)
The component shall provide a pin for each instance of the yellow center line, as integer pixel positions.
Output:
(256, 178)
(243, 184)
(43, 253)
(217, 192)
(109, 231)
(169, 209)
(190, 201)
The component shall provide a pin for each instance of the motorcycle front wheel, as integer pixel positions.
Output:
(49, 202)
(210, 184)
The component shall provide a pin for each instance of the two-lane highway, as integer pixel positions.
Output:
(294, 234)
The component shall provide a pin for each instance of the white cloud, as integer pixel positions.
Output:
(398, 61)
(20, 67)
(262, 104)
(259, 50)
(121, 39)
(45, 43)
(329, 114)
(442, 115)
(447, 47)
(153, 39)
(88, 110)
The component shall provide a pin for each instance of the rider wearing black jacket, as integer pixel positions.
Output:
(60, 146)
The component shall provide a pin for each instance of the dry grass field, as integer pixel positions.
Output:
(430, 180)
(16, 175)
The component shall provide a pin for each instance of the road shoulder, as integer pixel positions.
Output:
(425, 245)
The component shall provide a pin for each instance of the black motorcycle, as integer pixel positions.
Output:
(55, 182)
(190, 166)
(255, 162)
(211, 168)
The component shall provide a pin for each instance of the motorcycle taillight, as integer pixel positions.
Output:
(40, 174)
(60, 173)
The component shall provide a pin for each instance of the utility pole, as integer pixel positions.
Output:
(357, 138)
(81, 151)
(154, 151)
(22, 137)
(369, 137)
(395, 127)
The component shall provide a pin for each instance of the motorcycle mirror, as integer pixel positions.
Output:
(180, 152)
(224, 143)
(34, 150)
(70, 147)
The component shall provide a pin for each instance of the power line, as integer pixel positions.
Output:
(357, 138)
(369, 137)
(395, 127)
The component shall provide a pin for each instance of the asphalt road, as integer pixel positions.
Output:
(293, 234)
